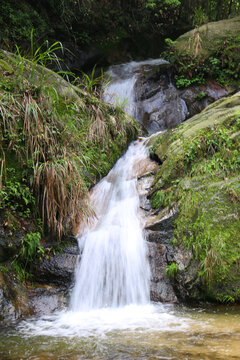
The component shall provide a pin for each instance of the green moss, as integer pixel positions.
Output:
(201, 174)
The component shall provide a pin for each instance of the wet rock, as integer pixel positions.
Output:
(198, 97)
(56, 269)
(13, 298)
(160, 286)
(46, 299)
(163, 220)
(144, 185)
(159, 105)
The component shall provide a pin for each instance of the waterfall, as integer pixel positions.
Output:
(121, 90)
(114, 270)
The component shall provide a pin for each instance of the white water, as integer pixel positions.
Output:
(123, 78)
(114, 270)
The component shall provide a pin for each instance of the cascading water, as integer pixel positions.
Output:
(123, 77)
(114, 270)
(145, 91)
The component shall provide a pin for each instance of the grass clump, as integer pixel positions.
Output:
(157, 200)
(172, 270)
(59, 139)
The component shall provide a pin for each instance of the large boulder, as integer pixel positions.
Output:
(159, 105)
(208, 37)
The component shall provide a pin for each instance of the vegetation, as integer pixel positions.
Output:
(105, 22)
(200, 174)
(208, 52)
(57, 140)
(172, 270)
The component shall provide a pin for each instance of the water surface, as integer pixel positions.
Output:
(151, 331)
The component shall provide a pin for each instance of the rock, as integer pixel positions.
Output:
(159, 105)
(13, 298)
(160, 286)
(18, 301)
(57, 269)
(44, 300)
(75, 59)
(11, 239)
(210, 91)
(212, 35)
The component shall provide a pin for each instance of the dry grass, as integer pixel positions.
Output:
(60, 193)
(98, 128)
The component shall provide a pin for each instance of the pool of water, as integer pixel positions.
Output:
(153, 332)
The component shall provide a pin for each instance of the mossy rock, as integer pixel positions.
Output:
(211, 36)
(200, 173)
(169, 146)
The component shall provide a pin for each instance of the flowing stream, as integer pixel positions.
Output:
(110, 315)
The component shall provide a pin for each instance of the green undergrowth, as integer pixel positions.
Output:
(57, 140)
(172, 270)
(201, 175)
(194, 66)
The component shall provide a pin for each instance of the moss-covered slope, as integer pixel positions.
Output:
(209, 37)
(200, 174)
(210, 51)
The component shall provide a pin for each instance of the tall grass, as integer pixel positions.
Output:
(63, 140)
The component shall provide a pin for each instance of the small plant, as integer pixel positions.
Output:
(157, 200)
(201, 95)
(4, 269)
(199, 17)
(172, 270)
(30, 249)
(17, 197)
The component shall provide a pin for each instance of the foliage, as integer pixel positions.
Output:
(105, 22)
(17, 197)
(157, 200)
(63, 140)
(201, 95)
(31, 247)
(199, 17)
(30, 250)
(222, 65)
(172, 270)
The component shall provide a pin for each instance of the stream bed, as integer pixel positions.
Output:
(153, 331)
